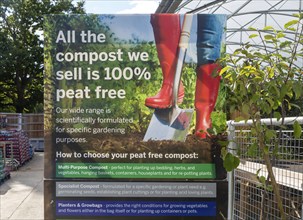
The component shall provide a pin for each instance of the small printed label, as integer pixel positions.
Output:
(135, 170)
(135, 208)
(136, 189)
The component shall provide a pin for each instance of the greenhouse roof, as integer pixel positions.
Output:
(242, 15)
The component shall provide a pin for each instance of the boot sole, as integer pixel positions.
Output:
(155, 106)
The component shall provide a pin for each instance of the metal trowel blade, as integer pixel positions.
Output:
(169, 124)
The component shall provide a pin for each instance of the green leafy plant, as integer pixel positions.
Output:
(21, 46)
(218, 119)
(266, 81)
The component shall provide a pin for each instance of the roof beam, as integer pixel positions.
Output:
(206, 6)
(168, 6)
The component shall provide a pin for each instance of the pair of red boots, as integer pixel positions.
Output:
(167, 33)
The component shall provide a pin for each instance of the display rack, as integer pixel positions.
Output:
(18, 151)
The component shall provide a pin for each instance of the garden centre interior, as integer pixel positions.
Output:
(254, 28)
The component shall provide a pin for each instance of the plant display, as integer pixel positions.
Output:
(265, 79)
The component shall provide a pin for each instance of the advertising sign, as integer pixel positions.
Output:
(101, 76)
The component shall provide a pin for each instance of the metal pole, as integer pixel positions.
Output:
(19, 122)
(270, 121)
(231, 175)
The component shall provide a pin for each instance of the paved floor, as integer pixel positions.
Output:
(21, 197)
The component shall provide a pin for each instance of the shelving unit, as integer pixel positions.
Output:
(17, 148)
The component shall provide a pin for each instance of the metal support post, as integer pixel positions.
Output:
(231, 175)
(19, 122)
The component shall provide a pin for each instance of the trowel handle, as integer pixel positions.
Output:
(183, 44)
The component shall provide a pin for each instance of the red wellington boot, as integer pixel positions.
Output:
(207, 87)
(167, 32)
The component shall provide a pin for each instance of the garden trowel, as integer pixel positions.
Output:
(173, 123)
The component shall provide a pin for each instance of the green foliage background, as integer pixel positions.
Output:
(21, 51)
(267, 82)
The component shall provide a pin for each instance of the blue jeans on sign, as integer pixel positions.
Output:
(210, 32)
